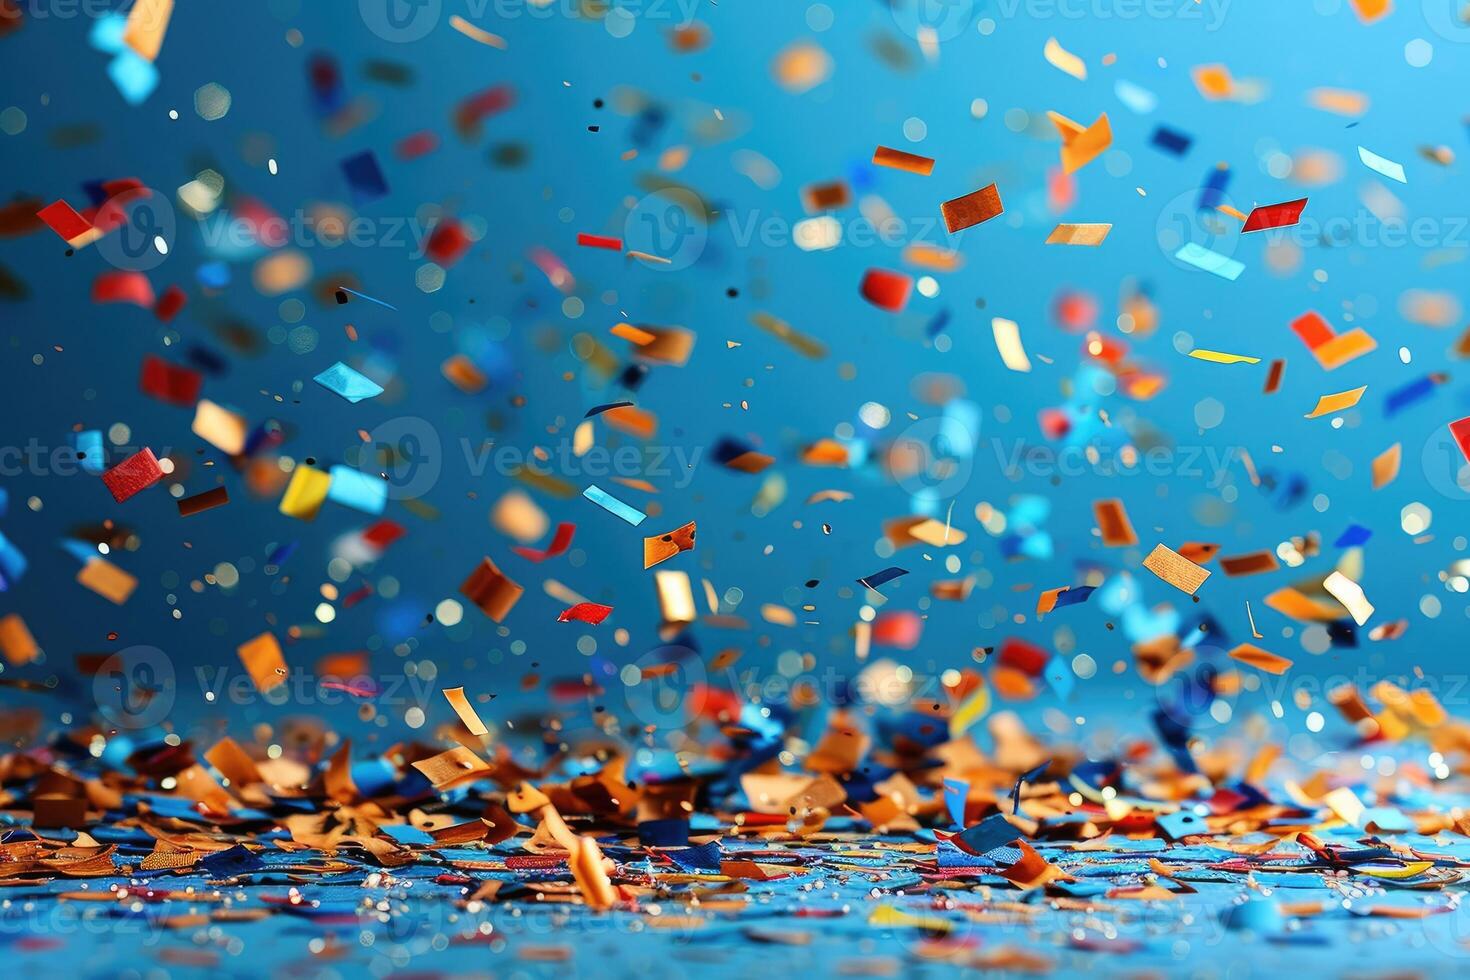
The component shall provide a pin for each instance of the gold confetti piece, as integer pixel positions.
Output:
(1218, 357)
(1340, 101)
(886, 156)
(1064, 60)
(632, 334)
(146, 25)
(1341, 401)
(1255, 633)
(1080, 146)
(263, 661)
(675, 597)
(1112, 521)
(1350, 594)
(783, 331)
(935, 533)
(1235, 213)
(1254, 656)
(662, 547)
(647, 257)
(777, 615)
(802, 66)
(16, 641)
(107, 580)
(475, 33)
(834, 495)
(589, 870)
(221, 428)
(461, 372)
(1293, 604)
(492, 590)
(466, 711)
(449, 769)
(1386, 466)
(971, 209)
(1175, 569)
(1008, 341)
(1079, 234)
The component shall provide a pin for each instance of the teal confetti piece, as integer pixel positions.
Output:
(351, 385)
(1207, 261)
(358, 490)
(613, 505)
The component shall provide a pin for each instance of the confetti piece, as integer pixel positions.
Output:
(560, 542)
(490, 589)
(1081, 145)
(887, 290)
(107, 580)
(476, 33)
(466, 711)
(1382, 165)
(1175, 569)
(306, 493)
(613, 505)
(1273, 378)
(1220, 358)
(1064, 60)
(136, 473)
(1084, 234)
(1339, 402)
(1007, 335)
(1112, 521)
(263, 661)
(1386, 466)
(1274, 216)
(585, 612)
(1208, 261)
(351, 385)
(885, 156)
(1350, 594)
(662, 547)
(881, 578)
(971, 209)
(201, 502)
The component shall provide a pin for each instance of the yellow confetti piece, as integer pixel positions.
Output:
(1219, 357)
(305, 493)
(1175, 569)
(477, 34)
(1064, 60)
(1339, 402)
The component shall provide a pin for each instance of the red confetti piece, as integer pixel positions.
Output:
(585, 612)
(559, 544)
(1274, 216)
(138, 472)
(1460, 429)
(170, 383)
(447, 243)
(417, 145)
(599, 241)
(887, 290)
(63, 219)
(170, 303)
(123, 287)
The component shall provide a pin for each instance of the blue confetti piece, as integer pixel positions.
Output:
(1405, 395)
(364, 177)
(134, 76)
(882, 578)
(1355, 535)
(351, 385)
(1060, 677)
(90, 454)
(613, 505)
(358, 490)
(1171, 141)
(107, 34)
(1207, 261)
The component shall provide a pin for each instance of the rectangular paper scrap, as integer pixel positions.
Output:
(1175, 569)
